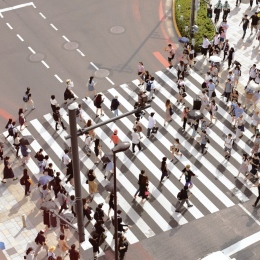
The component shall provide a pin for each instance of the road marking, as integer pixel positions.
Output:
(42, 15)
(94, 65)
(249, 214)
(1, 15)
(20, 37)
(110, 81)
(107, 78)
(31, 50)
(9, 26)
(53, 27)
(159, 56)
(80, 52)
(17, 7)
(58, 78)
(45, 64)
(66, 38)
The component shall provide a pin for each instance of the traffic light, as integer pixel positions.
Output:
(209, 13)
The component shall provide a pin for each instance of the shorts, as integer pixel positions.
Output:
(253, 26)
(250, 78)
(222, 39)
(96, 151)
(139, 73)
(188, 183)
(227, 149)
(253, 171)
(90, 88)
(98, 106)
(170, 58)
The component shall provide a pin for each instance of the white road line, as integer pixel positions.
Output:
(42, 15)
(55, 28)
(45, 64)
(1, 15)
(17, 7)
(33, 4)
(20, 37)
(249, 214)
(110, 81)
(10, 27)
(64, 37)
(31, 50)
(58, 78)
(80, 52)
(242, 244)
(94, 65)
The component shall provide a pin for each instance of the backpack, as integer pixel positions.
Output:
(95, 101)
(22, 181)
(114, 104)
(10, 131)
(149, 86)
(25, 98)
(179, 196)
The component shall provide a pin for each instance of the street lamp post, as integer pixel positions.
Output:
(192, 19)
(76, 171)
(121, 147)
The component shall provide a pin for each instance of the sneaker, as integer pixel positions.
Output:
(177, 211)
(33, 108)
(86, 97)
(190, 206)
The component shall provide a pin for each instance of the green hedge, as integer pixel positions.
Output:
(204, 23)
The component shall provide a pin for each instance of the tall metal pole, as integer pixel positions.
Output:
(115, 208)
(192, 19)
(76, 171)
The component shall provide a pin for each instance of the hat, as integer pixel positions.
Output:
(52, 248)
(42, 232)
(116, 96)
(115, 131)
(67, 80)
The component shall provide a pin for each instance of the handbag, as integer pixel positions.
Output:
(171, 111)
(146, 193)
(31, 181)
(213, 94)
(184, 94)
(155, 129)
(241, 128)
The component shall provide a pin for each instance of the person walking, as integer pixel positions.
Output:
(213, 108)
(203, 141)
(26, 181)
(141, 181)
(99, 229)
(195, 126)
(57, 184)
(231, 57)
(183, 197)
(151, 124)
(99, 213)
(150, 87)
(225, 49)
(11, 129)
(180, 70)
(217, 10)
(254, 22)
(175, 148)
(21, 119)
(226, 10)
(51, 255)
(185, 112)
(92, 185)
(164, 169)
(171, 54)
(68, 94)
(88, 142)
(110, 203)
(91, 86)
(40, 158)
(114, 138)
(252, 74)
(138, 126)
(40, 241)
(58, 120)
(182, 93)
(245, 25)
(256, 144)
(205, 46)
(1, 151)
(95, 243)
(144, 190)
(254, 161)
(114, 106)
(255, 99)
(227, 89)
(244, 165)
(258, 197)
(92, 131)
(238, 111)
(240, 128)
(136, 141)
(188, 174)
(122, 247)
(27, 98)
(97, 150)
(255, 122)
(228, 146)
(109, 169)
(87, 210)
(237, 75)
(63, 245)
(73, 253)
(211, 89)
(204, 100)
(25, 151)
(29, 254)
(62, 199)
(8, 171)
(54, 103)
(140, 73)
(98, 100)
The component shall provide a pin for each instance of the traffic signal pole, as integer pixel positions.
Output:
(192, 19)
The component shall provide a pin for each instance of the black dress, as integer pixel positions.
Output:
(8, 172)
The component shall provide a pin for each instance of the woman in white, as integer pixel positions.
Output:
(244, 166)
(182, 90)
(207, 78)
(240, 128)
(248, 97)
(228, 146)
(237, 74)
(255, 98)
(175, 148)
(204, 100)
(213, 111)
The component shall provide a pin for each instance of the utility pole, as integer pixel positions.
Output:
(192, 19)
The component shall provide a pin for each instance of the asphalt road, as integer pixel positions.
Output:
(112, 35)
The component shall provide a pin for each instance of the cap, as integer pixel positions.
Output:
(52, 248)
(67, 80)
(115, 131)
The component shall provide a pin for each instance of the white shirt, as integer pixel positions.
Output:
(151, 122)
(204, 99)
(207, 78)
(135, 138)
(252, 72)
(66, 159)
(53, 102)
(88, 140)
(216, 40)
(228, 142)
(205, 43)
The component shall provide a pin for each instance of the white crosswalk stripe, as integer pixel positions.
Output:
(213, 190)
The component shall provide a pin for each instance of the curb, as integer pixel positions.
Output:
(174, 19)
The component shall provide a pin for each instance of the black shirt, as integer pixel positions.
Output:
(184, 194)
(74, 254)
(254, 19)
(255, 161)
(188, 174)
(245, 22)
(94, 243)
(41, 239)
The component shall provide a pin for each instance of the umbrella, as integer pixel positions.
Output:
(183, 40)
(195, 114)
(67, 216)
(215, 58)
(110, 187)
(254, 86)
(43, 180)
(26, 140)
(48, 205)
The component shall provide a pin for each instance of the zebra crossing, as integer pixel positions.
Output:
(214, 189)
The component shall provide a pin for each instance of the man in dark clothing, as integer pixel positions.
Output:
(114, 106)
(254, 22)
(73, 253)
(40, 240)
(245, 25)
(255, 164)
(258, 198)
(183, 197)
(94, 242)
(140, 181)
(188, 173)
(99, 213)
(122, 247)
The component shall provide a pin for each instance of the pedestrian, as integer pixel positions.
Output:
(171, 54)
(188, 174)
(140, 73)
(255, 122)
(10, 126)
(25, 151)
(87, 210)
(98, 100)
(95, 243)
(175, 148)
(254, 161)
(213, 108)
(238, 111)
(252, 74)
(227, 90)
(184, 118)
(150, 87)
(251, 3)
(122, 247)
(21, 119)
(88, 142)
(27, 98)
(237, 75)
(228, 146)
(92, 131)
(51, 254)
(240, 127)
(109, 168)
(192, 56)
(140, 181)
(258, 197)
(99, 213)
(258, 37)
(97, 150)
(114, 138)
(151, 124)
(99, 230)
(168, 112)
(58, 120)
(204, 100)
(203, 125)
(224, 25)
(180, 70)
(92, 185)
(256, 144)
(136, 141)
(254, 22)
(68, 94)
(114, 106)
(110, 203)
(195, 126)
(226, 10)
(230, 57)
(203, 141)
(164, 169)
(73, 253)
(8, 171)
(81, 115)
(147, 76)
(216, 40)
(57, 184)
(138, 126)
(183, 197)
(205, 45)
(62, 199)
(211, 89)
(63, 245)
(40, 241)
(240, 2)
(54, 103)
(217, 10)
(1, 151)
(91, 86)
(244, 165)
(45, 162)
(29, 254)
(144, 190)
(26, 181)
(255, 99)
(40, 157)
(245, 25)
(182, 92)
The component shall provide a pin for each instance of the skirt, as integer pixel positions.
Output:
(90, 87)
(92, 187)
(8, 173)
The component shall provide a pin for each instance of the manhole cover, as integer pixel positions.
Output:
(102, 73)
(117, 29)
(37, 57)
(71, 46)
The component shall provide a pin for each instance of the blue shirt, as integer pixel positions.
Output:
(211, 86)
(238, 110)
